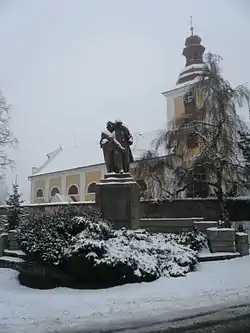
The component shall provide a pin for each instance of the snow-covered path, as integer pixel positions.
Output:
(27, 310)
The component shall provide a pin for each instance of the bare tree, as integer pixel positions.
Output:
(204, 141)
(7, 139)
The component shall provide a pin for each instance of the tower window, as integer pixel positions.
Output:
(192, 141)
(142, 184)
(189, 103)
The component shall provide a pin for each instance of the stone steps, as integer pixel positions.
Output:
(218, 256)
(14, 254)
(11, 262)
(169, 224)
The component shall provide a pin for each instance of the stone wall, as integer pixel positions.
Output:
(239, 210)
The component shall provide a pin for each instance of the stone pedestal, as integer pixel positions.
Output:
(3, 243)
(118, 196)
(12, 242)
(221, 239)
(242, 243)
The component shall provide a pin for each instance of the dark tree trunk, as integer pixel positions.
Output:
(222, 202)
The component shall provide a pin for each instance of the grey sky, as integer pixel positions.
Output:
(68, 66)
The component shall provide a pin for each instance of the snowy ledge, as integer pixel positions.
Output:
(218, 254)
(242, 198)
(220, 229)
(241, 234)
(195, 219)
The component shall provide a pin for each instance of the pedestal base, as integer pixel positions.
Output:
(221, 239)
(12, 242)
(118, 196)
(242, 243)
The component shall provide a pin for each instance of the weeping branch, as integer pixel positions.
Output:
(214, 162)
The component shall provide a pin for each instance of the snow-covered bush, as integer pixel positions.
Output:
(87, 248)
(194, 239)
(45, 236)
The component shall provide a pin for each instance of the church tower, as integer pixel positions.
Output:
(193, 52)
(178, 100)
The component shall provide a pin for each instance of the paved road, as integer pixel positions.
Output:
(228, 320)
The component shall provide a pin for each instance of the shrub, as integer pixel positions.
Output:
(194, 239)
(46, 236)
(87, 248)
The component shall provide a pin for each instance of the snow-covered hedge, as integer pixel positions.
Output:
(93, 252)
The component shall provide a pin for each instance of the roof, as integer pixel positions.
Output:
(182, 85)
(190, 72)
(68, 158)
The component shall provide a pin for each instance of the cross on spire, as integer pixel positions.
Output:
(191, 25)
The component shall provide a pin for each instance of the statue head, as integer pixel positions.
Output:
(110, 126)
(118, 123)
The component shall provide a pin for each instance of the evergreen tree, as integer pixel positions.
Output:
(14, 209)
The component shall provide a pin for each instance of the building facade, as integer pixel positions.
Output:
(63, 177)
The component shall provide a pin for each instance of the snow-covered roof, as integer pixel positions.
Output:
(68, 158)
(183, 85)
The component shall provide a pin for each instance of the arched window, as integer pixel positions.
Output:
(91, 189)
(142, 184)
(39, 193)
(54, 191)
(73, 190)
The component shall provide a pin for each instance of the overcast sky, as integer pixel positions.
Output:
(68, 66)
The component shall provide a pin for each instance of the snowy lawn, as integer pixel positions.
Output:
(27, 310)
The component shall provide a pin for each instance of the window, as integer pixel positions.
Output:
(54, 191)
(192, 141)
(73, 190)
(189, 103)
(39, 193)
(91, 188)
(142, 184)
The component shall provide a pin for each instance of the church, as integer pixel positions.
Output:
(64, 179)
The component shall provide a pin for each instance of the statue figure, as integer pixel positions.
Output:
(124, 137)
(111, 149)
(116, 142)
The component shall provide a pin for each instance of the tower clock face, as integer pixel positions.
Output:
(188, 98)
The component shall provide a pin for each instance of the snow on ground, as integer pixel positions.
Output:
(28, 310)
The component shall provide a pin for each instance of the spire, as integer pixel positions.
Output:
(193, 52)
(191, 26)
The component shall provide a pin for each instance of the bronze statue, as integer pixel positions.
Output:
(124, 137)
(111, 149)
(116, 142)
